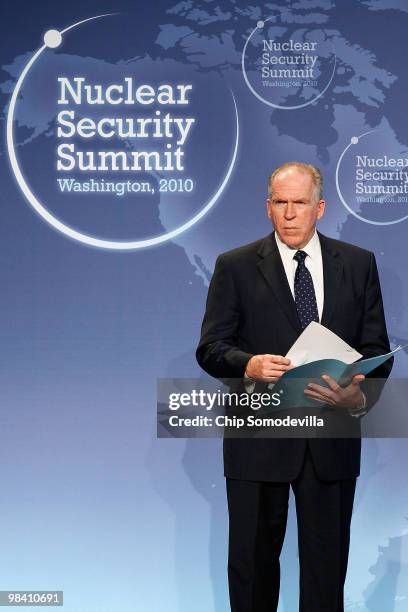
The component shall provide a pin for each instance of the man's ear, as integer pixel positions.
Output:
(268, 207)
(321, 207)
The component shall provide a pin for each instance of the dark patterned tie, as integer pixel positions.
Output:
(305, 297)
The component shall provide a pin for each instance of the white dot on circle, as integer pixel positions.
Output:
(52, 39)
(354, 140)
(260, 24)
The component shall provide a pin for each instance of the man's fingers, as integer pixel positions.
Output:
(277, 366)
(322, 391)
(357, 379)
(269, 379)
(318, 397)
(278, 359)
(267, 367)
(333, 384)
(273, 373)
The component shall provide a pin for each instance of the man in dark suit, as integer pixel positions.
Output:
(261, 297)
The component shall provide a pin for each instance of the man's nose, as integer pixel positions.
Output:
(290, 210)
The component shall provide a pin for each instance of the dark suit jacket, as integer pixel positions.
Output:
(250, 310)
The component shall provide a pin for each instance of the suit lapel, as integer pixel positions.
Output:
(332, 275)
(271, 268)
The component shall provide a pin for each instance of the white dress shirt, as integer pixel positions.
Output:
(313, 263)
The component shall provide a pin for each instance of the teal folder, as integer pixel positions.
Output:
(292, 384)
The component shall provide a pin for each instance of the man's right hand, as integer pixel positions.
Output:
(268, 368)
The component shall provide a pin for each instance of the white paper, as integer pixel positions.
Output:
(317, 342)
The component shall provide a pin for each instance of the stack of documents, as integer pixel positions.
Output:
(319, 351)
(317, 342)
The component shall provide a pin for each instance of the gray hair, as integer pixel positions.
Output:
(309, 168)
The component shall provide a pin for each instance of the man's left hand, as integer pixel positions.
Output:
(350, 396)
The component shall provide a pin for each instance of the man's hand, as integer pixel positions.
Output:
(267, 368)
(350, 396)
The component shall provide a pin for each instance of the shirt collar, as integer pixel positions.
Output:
(312, 248)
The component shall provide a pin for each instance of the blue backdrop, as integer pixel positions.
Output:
(91, 502)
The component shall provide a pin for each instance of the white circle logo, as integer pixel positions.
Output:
(52, 40)
(277, 67)
(372, 179)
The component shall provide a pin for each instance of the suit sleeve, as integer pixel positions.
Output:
(218, 352)
(374, 338)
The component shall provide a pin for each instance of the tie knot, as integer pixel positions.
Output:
(300, 256)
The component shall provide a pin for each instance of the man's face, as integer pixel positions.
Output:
(293, 207)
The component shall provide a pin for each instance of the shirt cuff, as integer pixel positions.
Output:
(249, 383)
(360, 411)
